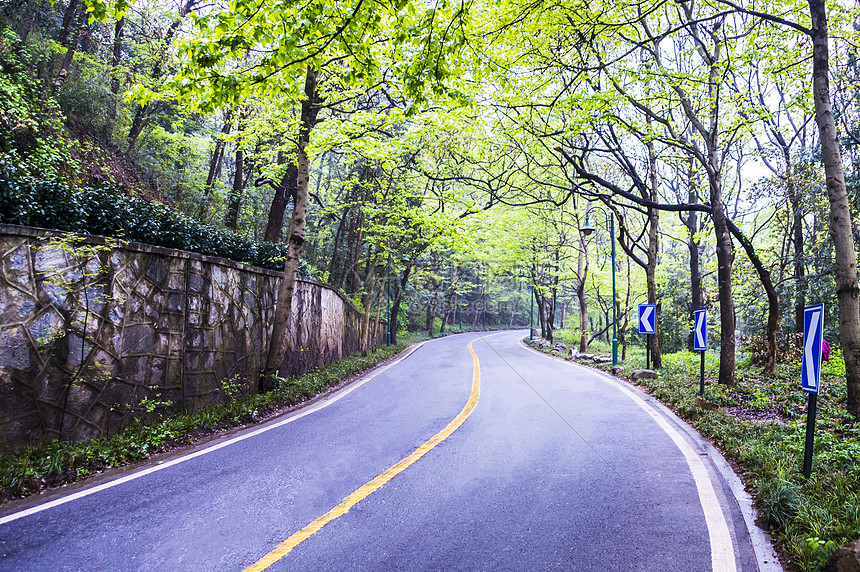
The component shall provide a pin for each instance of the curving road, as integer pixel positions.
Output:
(471, 453)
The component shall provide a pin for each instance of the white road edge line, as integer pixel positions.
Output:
(722, 547)
(324, 402)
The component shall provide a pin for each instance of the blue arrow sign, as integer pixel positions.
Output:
(813, 338)
(700, 330)
(647, 318)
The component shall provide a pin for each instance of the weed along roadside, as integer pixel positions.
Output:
(38, 468)
(759, 425)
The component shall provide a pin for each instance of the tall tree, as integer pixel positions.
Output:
(841, 229)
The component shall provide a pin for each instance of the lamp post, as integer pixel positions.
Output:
(587, 230)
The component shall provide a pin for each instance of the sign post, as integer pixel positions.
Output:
(648, 326)
(700, 342)
(810, 367)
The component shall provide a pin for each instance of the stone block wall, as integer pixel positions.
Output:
(94, 334)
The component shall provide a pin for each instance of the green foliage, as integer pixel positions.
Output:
(150, 404)
(31, 127)
(689, 363)
(778, 501)
(107, 212)
(231, 387)
(835, 366)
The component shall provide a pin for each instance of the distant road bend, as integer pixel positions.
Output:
(472, 452)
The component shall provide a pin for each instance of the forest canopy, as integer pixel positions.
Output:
(436, 161)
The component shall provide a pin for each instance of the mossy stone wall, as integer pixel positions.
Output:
(95, 334)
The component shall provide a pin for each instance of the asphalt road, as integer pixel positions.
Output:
(556, 467)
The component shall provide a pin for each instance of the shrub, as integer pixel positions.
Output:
(107, 212)
(778, 501)
(30, 126)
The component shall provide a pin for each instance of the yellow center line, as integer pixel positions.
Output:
(370, 487)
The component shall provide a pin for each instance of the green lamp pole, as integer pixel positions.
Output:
(587, 230)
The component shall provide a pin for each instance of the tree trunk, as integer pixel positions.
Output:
(68, 19)
(401, 289)
(553, 298)
(725, 259)
(70, 52)
(115, 82)
(692, 223)
(283, 307)
(797, 239)
(367, 298)
(215, 163)
(840, 215)
(651, 283)
(398, 297)
(356, 255)
(235, 199)
(29, 20)
(772, 326)
(540, 300)
(141, 112)
(275, 224)
(622, 331)
(334, 275)
(431, 308)
(653, 249)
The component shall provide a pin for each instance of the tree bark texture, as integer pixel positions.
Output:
(653, 249)
(275, 223)
(581, 275)
(142, 112)
(235, 200)
(68, 19)
(840, 214)
(215, 163)
(283, 306)
(725, 259)
(398, 298)
(772, 325)
(799, 270)
(115, 82)
(29, 20)
(76, 34)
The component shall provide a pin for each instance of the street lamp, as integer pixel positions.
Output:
(405, 259)
(587, 230)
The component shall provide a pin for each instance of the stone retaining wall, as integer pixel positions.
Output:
(96, 333)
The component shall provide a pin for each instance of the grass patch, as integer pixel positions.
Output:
(33, 469)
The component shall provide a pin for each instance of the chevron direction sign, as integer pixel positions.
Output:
(647, 318)
(813, 336)
(700, 330)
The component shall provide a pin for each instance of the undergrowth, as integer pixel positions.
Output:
(33, 469)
